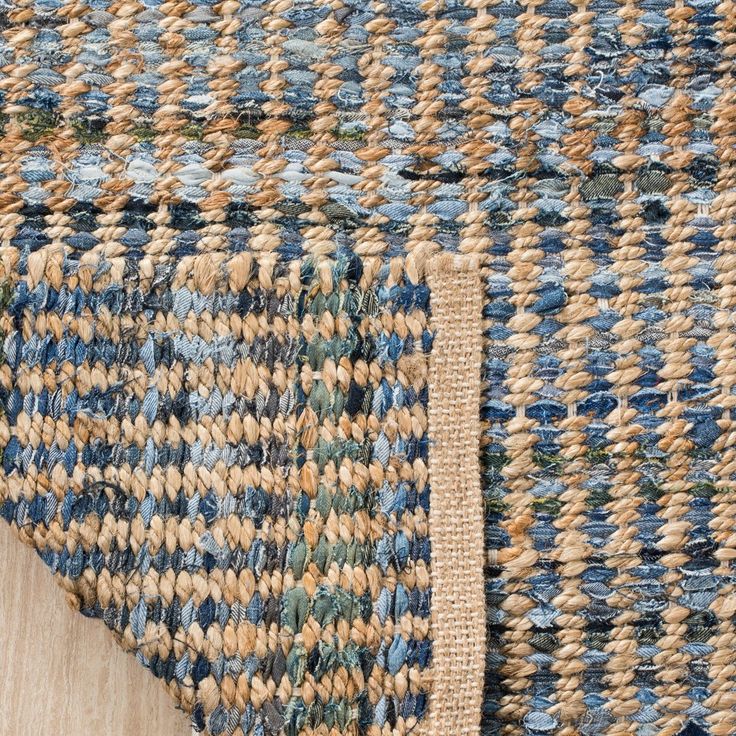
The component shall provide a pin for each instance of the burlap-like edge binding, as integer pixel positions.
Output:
(456, 505)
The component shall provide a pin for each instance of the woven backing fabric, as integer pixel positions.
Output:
(456, 510)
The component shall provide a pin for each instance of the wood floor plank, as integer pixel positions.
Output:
(63, 673)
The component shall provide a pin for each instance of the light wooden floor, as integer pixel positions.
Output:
(63, 674)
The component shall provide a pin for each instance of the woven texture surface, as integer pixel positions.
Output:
(216, 224)
(456, 511)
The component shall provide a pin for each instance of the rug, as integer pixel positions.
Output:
(368, 367)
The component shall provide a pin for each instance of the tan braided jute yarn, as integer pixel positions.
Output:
(368, 367)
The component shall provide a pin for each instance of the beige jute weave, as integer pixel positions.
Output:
(456, 508)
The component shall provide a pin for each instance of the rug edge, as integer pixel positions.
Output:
(456, 505)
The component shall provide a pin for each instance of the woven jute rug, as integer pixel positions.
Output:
(368, 366)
